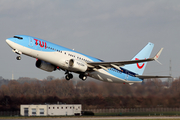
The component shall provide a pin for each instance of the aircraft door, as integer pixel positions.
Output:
(30, 42)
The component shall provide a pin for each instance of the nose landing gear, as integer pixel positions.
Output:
(18, 57)
(17, 52)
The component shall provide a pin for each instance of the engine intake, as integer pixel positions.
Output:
(45, 66)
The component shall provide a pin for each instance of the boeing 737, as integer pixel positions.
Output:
(51, 57)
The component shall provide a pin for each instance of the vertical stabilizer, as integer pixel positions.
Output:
(145, 53)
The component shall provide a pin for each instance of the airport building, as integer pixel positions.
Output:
(50, 110)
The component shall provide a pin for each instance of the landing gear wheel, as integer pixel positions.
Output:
(83, 77)
(69, 76)
(18, 57)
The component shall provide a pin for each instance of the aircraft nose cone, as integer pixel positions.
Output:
(7, 41)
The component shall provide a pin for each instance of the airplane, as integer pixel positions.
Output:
(51, 57)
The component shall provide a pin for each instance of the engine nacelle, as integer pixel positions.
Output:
(45, 66)
(77, 66)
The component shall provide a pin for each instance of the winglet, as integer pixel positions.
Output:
(158, 54)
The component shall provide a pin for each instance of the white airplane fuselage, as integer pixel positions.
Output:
(51, 56)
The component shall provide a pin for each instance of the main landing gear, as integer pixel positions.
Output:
(83, 77)
(70, 76)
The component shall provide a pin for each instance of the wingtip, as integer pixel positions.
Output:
(158, 54)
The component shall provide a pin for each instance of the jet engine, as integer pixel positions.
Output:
(77, 66)
(45, 66)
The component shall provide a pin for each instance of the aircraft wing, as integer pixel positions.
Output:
(117, 65)
(148, 76)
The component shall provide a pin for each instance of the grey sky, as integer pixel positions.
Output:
(112, 30)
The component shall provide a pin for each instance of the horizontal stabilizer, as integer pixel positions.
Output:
(148, 76)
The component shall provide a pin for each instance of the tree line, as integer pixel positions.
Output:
(91, 94)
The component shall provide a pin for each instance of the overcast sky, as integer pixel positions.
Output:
(112, 30)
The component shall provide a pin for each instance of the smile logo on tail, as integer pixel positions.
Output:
(140, 67)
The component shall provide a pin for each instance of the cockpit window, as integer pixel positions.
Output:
(18, 37)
